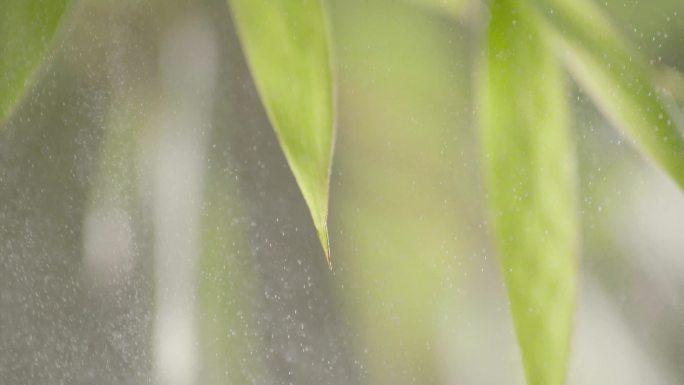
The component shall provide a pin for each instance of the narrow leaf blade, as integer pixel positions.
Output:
(26, 29)
(286, 44)
(613, 75)
(530, 165)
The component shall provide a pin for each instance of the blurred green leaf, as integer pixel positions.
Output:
(612, 73)
(26, 29)
(286, 44)
(530, 167)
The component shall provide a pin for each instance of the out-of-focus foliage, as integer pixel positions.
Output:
(530, 165)
(286, 44)
(396, 194)
(26, 29)
(612, 73)
(151, 230)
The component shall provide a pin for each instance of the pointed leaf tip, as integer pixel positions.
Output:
(287, 49)
(323, 236)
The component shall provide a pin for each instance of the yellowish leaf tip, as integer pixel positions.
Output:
(325, 243)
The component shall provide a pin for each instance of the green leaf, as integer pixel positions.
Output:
(612, 73)
(286, 45)
(529, 160)
(26, 29)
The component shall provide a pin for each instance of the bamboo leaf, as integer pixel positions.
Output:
(26, 29)
(613, 75)
(286, 45)
(530, 165)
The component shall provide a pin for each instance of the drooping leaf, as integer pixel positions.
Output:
(26, 29)
(612, 73)
(530, 170)
(286, 45)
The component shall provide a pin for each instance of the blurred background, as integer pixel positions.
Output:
(152, 233)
